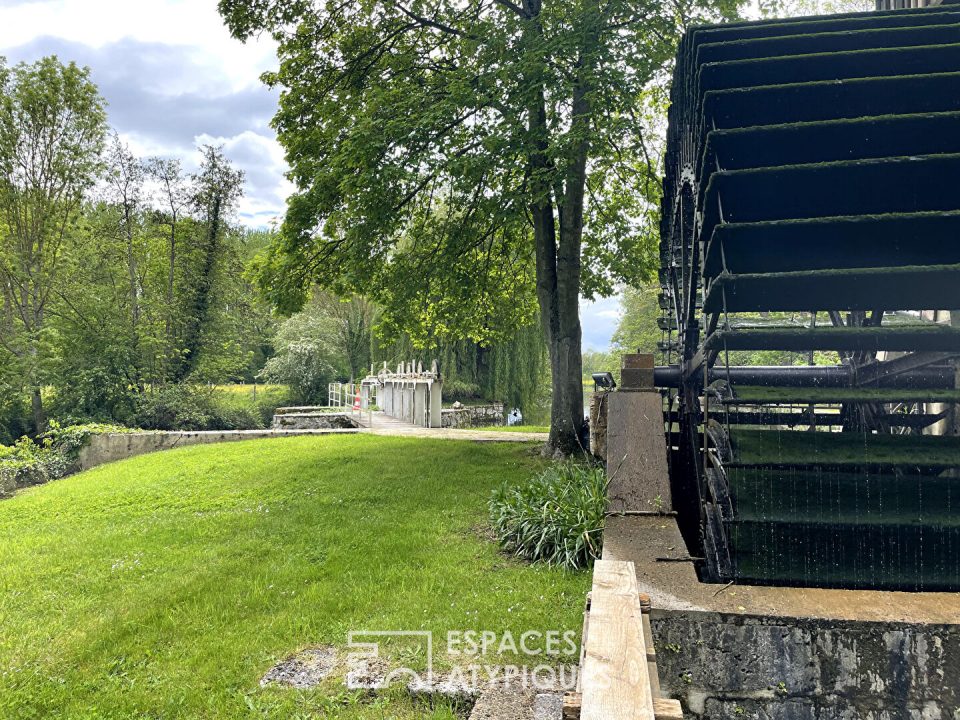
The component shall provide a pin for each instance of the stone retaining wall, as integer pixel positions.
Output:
(313, 421)
(470, 416)
(731, 652)
(728, 667)
(109, 447)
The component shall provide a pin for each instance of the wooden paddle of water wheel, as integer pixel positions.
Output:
(812, 206)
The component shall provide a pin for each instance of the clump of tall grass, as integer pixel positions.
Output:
(557, 517)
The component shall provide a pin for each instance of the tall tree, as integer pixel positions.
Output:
(217, 187)
(52, 129)
(125, 176)
(173, 197)
(519, 114)
(353, 320)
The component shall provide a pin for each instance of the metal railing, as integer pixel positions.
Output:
(344, 395)
(410, 394)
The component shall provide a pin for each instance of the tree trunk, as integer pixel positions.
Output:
(36, 407)
(558, 267)
(558, 264)
(171, 276)
(132, 272)
(558, 294)
(200, 310)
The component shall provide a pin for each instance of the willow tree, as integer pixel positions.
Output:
(518, 116)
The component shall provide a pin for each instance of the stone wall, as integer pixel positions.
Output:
(473, 416)
(313, 421)
(724, 666)
(110, 447)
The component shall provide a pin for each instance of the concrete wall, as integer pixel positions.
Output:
(636, 452)
(774, 668)
(473, 416)
(313, 421)
(110, 447)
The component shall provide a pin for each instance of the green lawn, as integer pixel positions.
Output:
(165, 586)
(514, 428)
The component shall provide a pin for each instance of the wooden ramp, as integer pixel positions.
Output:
(618, 667)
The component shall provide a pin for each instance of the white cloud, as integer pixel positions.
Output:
(172, 76)
(178, 22)
(599, 319)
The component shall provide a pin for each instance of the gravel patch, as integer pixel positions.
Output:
(304, 669)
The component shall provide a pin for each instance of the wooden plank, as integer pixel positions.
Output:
(666, 709)
(615, 682)
(663, 708)
(652, 669)
(648, 641)
(583, 644)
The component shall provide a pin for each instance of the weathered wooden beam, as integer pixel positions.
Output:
(615, 679)
(652, 670)
(663, 708)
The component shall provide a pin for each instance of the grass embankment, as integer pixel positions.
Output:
(513, 428)
(166, 585)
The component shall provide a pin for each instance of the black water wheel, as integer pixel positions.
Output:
(811, 206)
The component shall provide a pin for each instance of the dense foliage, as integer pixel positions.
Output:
(306, 354)
(125, 293)
(119, 276)
(470, 165)
(557, 517)
(52, 456)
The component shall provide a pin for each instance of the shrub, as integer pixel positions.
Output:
(15, 419)
(184, 407)
(263, 406)
(29, 463)
(557, 517)
(23, 464)
(305, 355)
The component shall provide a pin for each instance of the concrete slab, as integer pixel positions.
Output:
(504, 704)
(636, 453)
(306, 669)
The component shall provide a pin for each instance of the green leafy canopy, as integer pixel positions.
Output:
(406, 126)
